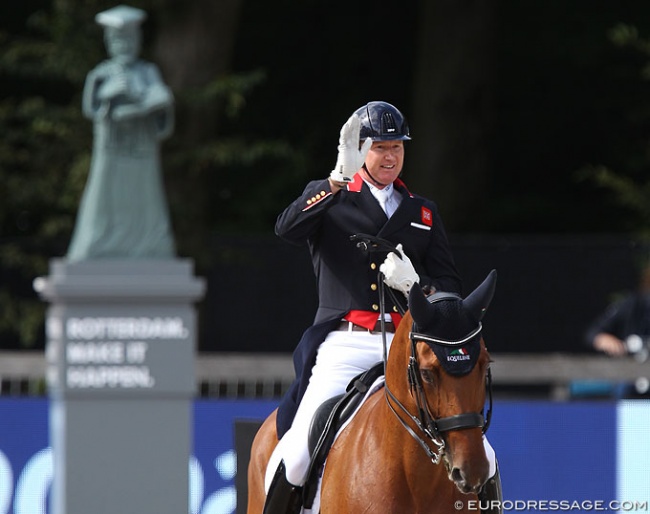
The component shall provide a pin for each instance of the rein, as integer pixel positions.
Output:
(432, 428)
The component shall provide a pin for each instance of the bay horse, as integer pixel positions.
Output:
(415, 445)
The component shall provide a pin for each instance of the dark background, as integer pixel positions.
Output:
(262, 295)
(515, 98)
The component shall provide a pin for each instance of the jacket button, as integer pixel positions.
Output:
(322, 193)
(394, 308)
(373, 287)
(373, 265)
(375, 307)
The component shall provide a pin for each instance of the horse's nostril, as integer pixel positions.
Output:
(461, 482)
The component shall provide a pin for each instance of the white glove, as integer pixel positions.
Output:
(350, 158)
(399, 273)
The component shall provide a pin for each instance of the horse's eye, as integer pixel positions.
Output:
(427, 375)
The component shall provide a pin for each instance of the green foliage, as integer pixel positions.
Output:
(43, 149)
(631, 194)
(231, 90)
(230, 180)
(629, 184)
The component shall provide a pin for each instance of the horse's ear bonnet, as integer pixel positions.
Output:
(479, 300)
(452, 326)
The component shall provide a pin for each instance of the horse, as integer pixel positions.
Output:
(416, 444)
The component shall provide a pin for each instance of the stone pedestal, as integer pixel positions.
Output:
(121, 339)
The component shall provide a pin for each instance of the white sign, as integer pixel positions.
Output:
(126, 328)
(111, 352)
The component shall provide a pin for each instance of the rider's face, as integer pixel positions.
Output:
(385, 160)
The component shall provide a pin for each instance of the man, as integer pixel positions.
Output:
(624, 327)
(362, 195)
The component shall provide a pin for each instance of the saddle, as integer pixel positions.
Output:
(327, 421)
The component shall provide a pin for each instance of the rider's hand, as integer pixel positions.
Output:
(399, 273)
(350, 157)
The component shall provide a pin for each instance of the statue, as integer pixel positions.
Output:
(123, 211)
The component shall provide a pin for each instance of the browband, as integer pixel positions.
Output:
(445, 342)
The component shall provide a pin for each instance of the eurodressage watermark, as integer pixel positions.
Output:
(554, 505)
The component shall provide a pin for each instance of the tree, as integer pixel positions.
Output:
(454, 96)
(629, 182)
(42, 156)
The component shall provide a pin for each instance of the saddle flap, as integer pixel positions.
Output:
(329, 418)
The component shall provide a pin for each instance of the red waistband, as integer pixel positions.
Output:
(368, 319)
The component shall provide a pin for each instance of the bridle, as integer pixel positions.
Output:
(427, 424)
(431, 427)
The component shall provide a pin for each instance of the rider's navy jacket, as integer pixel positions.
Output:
(346, 275)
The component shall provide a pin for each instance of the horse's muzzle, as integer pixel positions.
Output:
(463, 484)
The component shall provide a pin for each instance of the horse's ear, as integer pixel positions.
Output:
(418, 304)
(479, 300)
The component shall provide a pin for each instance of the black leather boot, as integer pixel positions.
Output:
(283, 497)
(491, 496)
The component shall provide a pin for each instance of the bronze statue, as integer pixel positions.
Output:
(123, 211)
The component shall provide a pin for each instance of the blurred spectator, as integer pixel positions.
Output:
(624, 327)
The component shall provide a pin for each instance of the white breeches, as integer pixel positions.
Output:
(341, 356)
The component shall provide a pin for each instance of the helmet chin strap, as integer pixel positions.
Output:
(373, 179)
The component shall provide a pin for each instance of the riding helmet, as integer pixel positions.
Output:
(381, 121)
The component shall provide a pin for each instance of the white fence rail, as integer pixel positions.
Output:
(268, 375)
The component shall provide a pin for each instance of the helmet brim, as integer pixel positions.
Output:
(387, 138)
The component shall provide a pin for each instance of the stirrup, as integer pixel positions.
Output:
(491, 496)
(283, 497)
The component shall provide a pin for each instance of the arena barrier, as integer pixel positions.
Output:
(580, 452)
(555, 376)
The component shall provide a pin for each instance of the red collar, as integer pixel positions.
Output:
(356, 185)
